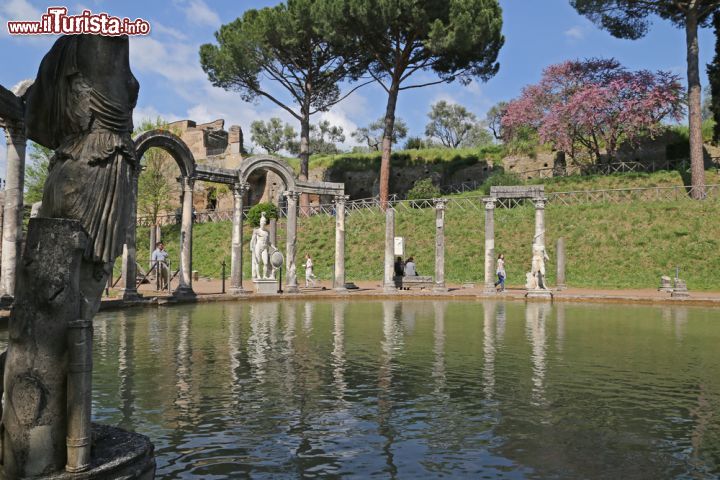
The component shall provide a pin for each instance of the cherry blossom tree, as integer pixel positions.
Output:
(589, 107)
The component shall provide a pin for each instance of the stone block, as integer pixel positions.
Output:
(266, 287)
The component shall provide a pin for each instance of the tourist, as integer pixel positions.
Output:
(399, 267)
(159, 259)
(500, 270)
(309, 275)
(410, 268)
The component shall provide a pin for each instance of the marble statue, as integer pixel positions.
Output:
(80, 106)
(536, 277)
(260, 251)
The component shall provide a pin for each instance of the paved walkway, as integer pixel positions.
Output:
(211, 290)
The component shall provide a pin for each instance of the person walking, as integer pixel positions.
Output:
(159, 259)
(309, 275)
(500, 270)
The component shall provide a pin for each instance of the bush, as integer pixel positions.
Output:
(415, 143)
(423, 189)
(255, 213)
(500, 179)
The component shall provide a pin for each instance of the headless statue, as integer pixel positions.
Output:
(260, 249)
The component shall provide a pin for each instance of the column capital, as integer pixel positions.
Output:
(187, 183)
(489, 203)
(240, 188)
(539, 203)
(341, 198)
(440, 203)
(291, 195)
(14, 132)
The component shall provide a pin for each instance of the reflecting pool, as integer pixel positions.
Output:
(418, 389)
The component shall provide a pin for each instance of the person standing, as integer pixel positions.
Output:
(500, 272)
(309, 275)
(159, 259)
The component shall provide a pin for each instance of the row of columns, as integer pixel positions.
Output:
(292, 199)
(13, 208)
(389, 270)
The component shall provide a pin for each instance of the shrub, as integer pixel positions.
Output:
(500, 179)
(255, 213)
(423, 189)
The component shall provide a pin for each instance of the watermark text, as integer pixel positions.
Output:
(56, 21)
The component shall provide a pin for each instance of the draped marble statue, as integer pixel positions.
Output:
(80, 106)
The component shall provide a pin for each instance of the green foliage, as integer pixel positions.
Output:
(282, 46)
(423, 189)
(156, 189)
(372, 135)
(255, 213)
(272, 136)
(324, 138)
(493, 119)
(455, 126)
(500, 178)
(415, 143)
(713, 71)
(524, 141)
(36, 172)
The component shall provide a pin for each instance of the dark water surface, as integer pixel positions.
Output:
(415, 389)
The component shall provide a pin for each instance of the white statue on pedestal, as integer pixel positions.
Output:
(260, 250)
(536, 276)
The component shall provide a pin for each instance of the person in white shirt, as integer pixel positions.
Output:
(309, 275)
(159, 257)
(500, 270)
(410, 268)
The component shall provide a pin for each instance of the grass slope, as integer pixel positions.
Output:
(608, 245)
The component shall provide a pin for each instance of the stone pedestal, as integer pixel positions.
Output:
(680, 289)
(266, 287)
(489, 246)
(539, 294)
(665, 284)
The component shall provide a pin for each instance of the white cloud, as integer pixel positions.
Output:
(175, 61)
(20, 10)
(198, 12)
(575, 33)
(159, 28)
(149, 112)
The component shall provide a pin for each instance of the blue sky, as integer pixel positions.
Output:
(172, 84)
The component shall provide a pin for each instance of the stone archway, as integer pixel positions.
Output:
(179, 151)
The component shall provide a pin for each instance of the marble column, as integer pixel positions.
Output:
(388, 280)
(153, 242)
(129, 258)
(339, 280)
(560, 254)
(13, 209)
(185, 287)
(236, 254)
(490, 245)
(440, 205)
(291, 285)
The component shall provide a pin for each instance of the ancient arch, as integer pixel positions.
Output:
(169, 142)
(267, 162)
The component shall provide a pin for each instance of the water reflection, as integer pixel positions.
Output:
(415, 390)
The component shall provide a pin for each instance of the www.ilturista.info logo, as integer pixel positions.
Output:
(57, 22)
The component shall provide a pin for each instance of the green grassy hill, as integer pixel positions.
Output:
(608, 245)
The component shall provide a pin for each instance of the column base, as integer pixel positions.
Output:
(490, 289)
(440, 289)
(130, 294)
(390, 288)
(292, 289)
(340, 289)
(184, 291)
(560, 287)
(238, 291)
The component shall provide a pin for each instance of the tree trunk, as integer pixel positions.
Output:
(387, 144)
(304, 159)
(697, 166)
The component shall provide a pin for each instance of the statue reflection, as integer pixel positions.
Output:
(560, 318)
(126, 370)
(490, 313)
(308, 318)
(262, 316)
(338, 353)
(536, 315)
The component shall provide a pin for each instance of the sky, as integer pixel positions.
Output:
(173, 86)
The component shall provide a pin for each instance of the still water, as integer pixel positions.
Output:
(417, 389)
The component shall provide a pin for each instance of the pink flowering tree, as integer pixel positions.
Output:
(588, 108)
